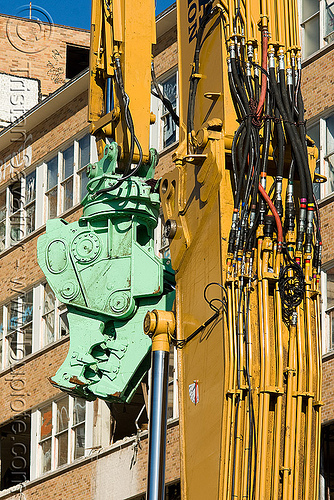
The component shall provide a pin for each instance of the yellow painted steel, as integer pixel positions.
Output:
(124, 30)
(265, 427)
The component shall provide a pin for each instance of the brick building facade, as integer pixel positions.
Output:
(53, 445)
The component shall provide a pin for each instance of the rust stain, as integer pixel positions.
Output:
(75, 380)
(156, 291)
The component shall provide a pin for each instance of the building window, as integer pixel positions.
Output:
(164, 132)
(67, 177)
(64, 432)
(327, 308)
(16, 329)
(19, 327)
(17, 210)
(77, 59)
(30, 321)
(52, 188)
(30, 202)
(322, 132)
(84, 160)
(317, 18)
(54, 317)
(48, 191)
(15, 451)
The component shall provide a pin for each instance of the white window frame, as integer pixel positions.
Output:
(326, 312)
(323, 155)
(19, 212)
(77, 171)
(36, 450)
(38, 326)
(59, 309)
(157, 129)
(324, 39)
(5, 360)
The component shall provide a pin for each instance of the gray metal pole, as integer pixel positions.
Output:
(158, 426)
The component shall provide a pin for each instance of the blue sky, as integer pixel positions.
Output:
(68, 12)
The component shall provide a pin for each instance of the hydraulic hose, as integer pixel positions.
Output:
(277, 218)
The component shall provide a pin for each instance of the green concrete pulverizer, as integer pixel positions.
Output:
(103, 267)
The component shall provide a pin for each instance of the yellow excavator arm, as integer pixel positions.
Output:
(245, 244)
(122, 34)
(244, 235)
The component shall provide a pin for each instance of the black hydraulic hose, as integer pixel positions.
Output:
(239, 86)
(245, 149)
(297, 143)
(125, 177)
(280, 143)
(234, 156)
(266, 133)
(128, 116)
(193, 78)
(238, 105)
(288, 127)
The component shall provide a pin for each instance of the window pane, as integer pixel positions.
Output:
(314, 133)
(330, 288)
(169, 130)
(310, 7)
(13, 315)
(329, 18)
(169, 90)
(79, 450)
(79, 410)
(330, 174)
(46, 421)
(46, 456)
(68, 194)
(330, 134)
(68, 162)
(49, 329)
(16, 231)
(49, 315)
(2, 235)
(49, 299)
(63, 324)
(331, 319)
(30, 218)
(311, 36)
(3, 205)
(27, 303)
(62, 414)
(26, 343)
(62, 448)
(30, 193)
(83, 184)
(52, 172)
(84, 151)
(316, 185)
(15, 198)
(52, 204)
(14, 353)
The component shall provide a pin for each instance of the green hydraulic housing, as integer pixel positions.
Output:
(103, 267)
